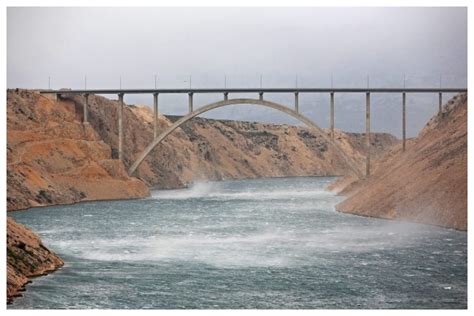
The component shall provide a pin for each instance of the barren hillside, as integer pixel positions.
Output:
(427, 183)
(54, 159)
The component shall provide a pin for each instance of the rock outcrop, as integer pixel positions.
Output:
(54, 159)
(427, 183)
(27, 257)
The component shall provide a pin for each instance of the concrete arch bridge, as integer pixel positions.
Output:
(293, 112)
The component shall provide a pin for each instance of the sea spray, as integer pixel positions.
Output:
(263, 243)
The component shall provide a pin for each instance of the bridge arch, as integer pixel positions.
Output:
(350, 162)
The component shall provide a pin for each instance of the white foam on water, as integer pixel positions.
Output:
(295, 226)
(213, 190)
(197, 190)
(265, 248)
(286, 232)
(218, 240)
(217, 251)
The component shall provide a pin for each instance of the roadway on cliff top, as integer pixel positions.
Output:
(158, 138)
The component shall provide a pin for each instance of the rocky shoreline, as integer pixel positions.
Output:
(27, 257)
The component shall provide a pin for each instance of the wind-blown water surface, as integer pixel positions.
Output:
(269, 243)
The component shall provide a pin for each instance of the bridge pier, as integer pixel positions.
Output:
(260, 96)
(367, 133)
(190, 102)
(120, 127)
(331, 119)
(440, 104)
(86, 108)
(297, 102)
(155, 115)
(226, 96)
(404, 120)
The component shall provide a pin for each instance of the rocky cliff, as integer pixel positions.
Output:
(427, 183)
(26, 257)
(54, 159)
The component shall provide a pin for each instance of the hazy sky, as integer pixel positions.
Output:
(242, 43)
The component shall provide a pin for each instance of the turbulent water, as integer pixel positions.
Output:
(272, 243)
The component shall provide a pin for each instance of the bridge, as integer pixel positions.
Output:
(292, 111)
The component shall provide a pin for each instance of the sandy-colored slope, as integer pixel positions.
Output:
(54, 159)
(427, 183)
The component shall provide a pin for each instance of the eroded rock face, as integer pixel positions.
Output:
(427, 183)
(55, 159)
(26, 257)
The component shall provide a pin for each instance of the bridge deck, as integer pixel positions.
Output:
(259, 90)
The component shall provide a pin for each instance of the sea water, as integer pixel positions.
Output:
(266, 243)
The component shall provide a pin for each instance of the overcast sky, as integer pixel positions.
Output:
(136, 43)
